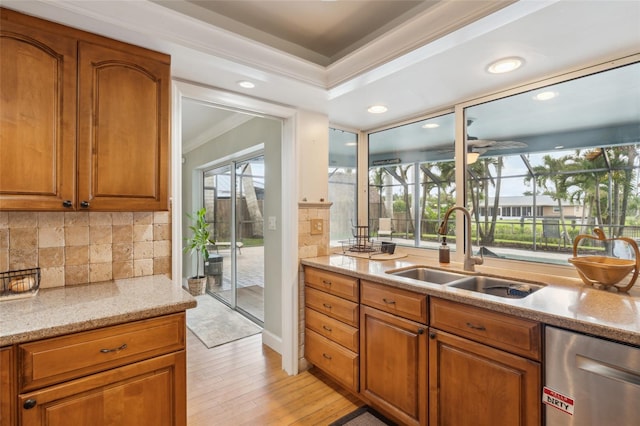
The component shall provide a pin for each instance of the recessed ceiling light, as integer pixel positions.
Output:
(430, 125)
(246, 84)
(505, 65)
(545, 96)
(377, 109)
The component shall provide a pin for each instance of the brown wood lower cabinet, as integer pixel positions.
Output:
(393, 365)
(425, 361)
(146, 393)
(484, 369)
(7, 386)
(477, 385)
(121, 375)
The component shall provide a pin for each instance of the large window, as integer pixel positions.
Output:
(553, 163)
(412, 178)
(343, 182)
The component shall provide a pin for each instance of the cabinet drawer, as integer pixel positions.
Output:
(332, 329)
(336, 284)
(332, 306)
(406, 304)
(62, 358)
(336, 361)
(516, 335)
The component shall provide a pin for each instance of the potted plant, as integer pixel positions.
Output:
(197, 244)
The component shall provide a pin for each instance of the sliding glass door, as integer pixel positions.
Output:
(234, 199)
(249, 232)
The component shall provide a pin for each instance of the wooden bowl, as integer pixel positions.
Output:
(603, 270)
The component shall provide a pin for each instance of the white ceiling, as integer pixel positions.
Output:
(429, 57)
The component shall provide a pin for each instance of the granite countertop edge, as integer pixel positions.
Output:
(535, 307)
(64, 310)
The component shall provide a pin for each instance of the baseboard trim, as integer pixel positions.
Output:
(271, 340)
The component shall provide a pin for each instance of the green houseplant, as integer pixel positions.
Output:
(197, 245)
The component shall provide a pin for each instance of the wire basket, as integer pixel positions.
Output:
(19, 284)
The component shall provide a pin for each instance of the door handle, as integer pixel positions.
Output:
(609, 371)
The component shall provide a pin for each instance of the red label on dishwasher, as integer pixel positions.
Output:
(557, 400)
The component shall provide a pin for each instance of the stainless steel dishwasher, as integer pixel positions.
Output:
(590, 381)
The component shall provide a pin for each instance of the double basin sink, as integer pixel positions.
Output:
(500, 287)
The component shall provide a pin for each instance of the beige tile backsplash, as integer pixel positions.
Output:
(83, 247)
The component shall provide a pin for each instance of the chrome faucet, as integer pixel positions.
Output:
(469, 261)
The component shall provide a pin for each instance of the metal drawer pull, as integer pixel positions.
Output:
(388, 301)
(327, 328)
(326, 305)
(29, 404)
(118, 349)
(325, 282)
(607, 370)
(327, 356)
(476, 327)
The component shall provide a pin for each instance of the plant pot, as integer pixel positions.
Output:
(197, 285)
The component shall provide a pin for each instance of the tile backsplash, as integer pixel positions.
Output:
(84, 247)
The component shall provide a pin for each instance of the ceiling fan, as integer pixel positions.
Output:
(476, 147)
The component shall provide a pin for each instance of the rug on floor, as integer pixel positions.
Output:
(363, 416)
(216, 324)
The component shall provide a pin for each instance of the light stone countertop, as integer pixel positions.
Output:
(63, 310)
(574, 306)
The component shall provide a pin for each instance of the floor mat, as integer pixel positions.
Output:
(216, 324)
(363, 416)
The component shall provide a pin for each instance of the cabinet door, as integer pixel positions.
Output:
(37, 116)
(476, 385)
(123, 125)
(393, 365)
(7, 386)
(151, 392)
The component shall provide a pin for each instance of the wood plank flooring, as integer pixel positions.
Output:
(242, 383)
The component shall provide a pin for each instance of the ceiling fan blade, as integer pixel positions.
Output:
(491, 144)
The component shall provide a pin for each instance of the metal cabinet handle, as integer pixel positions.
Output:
(29, 404)
(325, 282)
(118, 349)
(421, 331)
(327, 356)
(67, 203)
(84, 204)
(326, 305)
(476, 327)
(388, 301)
(433, 335)
(327, 328)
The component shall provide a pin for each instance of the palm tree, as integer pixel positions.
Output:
(401, 174)
(549, 177)
(480, 183)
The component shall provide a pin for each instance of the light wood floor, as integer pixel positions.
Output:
(242, 383)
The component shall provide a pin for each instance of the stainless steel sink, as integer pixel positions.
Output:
(433, 276)
(500, 287)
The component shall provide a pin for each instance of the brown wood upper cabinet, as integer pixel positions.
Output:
(84, 120)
